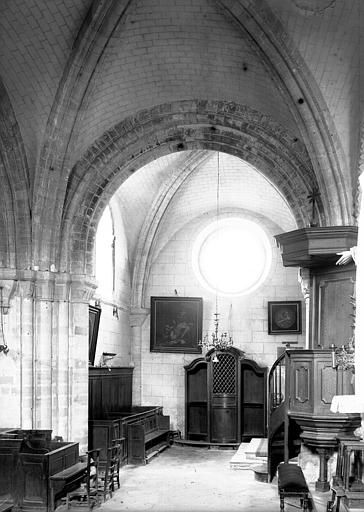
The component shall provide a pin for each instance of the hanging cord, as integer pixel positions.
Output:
(3, 345)
(217, 230)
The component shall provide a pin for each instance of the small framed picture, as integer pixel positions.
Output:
(284, 317)
(176, 324)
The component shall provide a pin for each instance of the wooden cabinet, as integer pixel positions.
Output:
(225, 398)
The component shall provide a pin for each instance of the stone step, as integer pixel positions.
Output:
(260, 472)
(250, 454)
(258, 447)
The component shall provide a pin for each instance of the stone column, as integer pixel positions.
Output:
(44, 376)
(26, 294)
(61, 357)
(81, 291)
(137, 319)
(43, 329)
(304, 280)
(10, 359)
(322, 484)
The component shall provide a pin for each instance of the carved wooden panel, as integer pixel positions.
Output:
(9, 452)
(110, 389)
(331, 308)
(328, 384)
(302, 384)
(223, 425)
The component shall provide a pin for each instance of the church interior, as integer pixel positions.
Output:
(180, 259)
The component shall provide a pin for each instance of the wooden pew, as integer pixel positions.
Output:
(111, 415)
(147, 438)
(117, 424)
(30, 458)
(65, 481)
(9, 456)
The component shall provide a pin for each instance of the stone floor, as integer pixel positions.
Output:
(188, 479)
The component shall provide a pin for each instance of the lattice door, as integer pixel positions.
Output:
(224, 375)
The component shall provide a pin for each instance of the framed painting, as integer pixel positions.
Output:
(284, 317)
(94, 314)
(176, 324)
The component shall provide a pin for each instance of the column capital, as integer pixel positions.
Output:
(304, 277)
(46, 285)
(82, 288)
(138, 316)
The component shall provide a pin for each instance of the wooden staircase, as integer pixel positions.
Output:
(301, 387)
(278, 420)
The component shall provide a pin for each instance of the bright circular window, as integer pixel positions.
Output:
(232, 256)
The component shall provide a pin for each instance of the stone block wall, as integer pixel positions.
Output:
(161, 380)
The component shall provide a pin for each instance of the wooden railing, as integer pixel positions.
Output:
(276, 383)
(277, 408)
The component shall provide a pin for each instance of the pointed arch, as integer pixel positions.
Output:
(190, 125)
(15, 210)
(51, 177)
(302, 95)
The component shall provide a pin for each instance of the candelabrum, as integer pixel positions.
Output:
(343, 357)
(215, 340)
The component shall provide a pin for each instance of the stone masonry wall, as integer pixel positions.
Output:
(162, 374)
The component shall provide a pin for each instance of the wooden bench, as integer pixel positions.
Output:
(291, 482)
(65, 481)
(148, 437)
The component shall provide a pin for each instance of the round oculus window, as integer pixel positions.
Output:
(232, 256)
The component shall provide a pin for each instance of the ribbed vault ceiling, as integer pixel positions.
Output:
(242, 191)
(72, 71)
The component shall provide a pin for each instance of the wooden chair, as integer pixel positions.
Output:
(106, 474)
(119, 444)
(87, 494)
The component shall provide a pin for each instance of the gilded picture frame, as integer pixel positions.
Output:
(176, 324)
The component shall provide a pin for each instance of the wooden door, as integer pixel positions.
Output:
(224, 399)
(253, 400)
(196, 401)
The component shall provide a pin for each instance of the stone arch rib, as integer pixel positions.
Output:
(50, 187)
(15, 248)
(167, 128)
(293, 79)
